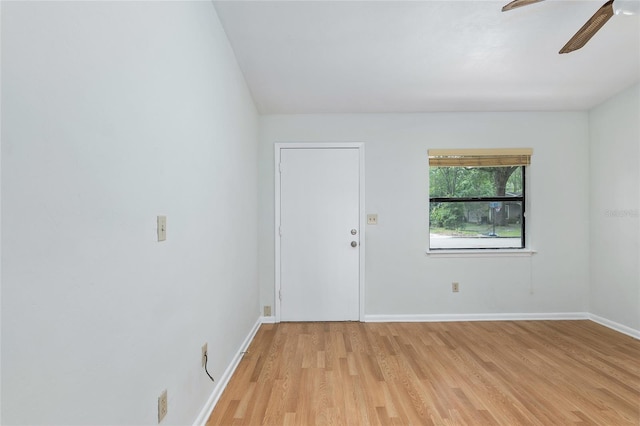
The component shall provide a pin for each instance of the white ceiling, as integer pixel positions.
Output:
(420, 56)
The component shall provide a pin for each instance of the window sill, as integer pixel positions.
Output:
(482, 253)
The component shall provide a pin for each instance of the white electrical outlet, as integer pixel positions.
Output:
(162, 228)
(205, 354)
(372, 219)
(162, 405)
(455, 287)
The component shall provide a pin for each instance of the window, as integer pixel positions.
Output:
(477, 198)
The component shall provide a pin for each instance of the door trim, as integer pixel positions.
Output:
(278, 146)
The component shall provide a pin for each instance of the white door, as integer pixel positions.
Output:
(319, 234)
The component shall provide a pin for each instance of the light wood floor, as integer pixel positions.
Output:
(459, 373)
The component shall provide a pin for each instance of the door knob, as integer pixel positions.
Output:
(354, 232)
(354, 244)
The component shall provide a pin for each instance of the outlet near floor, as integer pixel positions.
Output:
(267, 310)
(455, 287)
(205, 354)
(162, 405)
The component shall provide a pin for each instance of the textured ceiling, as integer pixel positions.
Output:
(420, 56)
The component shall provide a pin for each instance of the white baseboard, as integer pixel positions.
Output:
(477, 317)
(221, 384)
(615, 326)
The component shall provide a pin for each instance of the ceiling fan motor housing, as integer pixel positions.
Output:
(626, 7)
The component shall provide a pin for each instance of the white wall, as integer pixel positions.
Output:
(113, 113)
(400, 278)
(614, 179)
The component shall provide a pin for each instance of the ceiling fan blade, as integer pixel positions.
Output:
(519, 3)
(589, 29)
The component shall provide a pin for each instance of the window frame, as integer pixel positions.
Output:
(501, 199)
(485, 158)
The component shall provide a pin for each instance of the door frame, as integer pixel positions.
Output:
(278, 146)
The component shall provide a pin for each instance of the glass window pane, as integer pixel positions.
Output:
(476, 224)
(464, 182)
